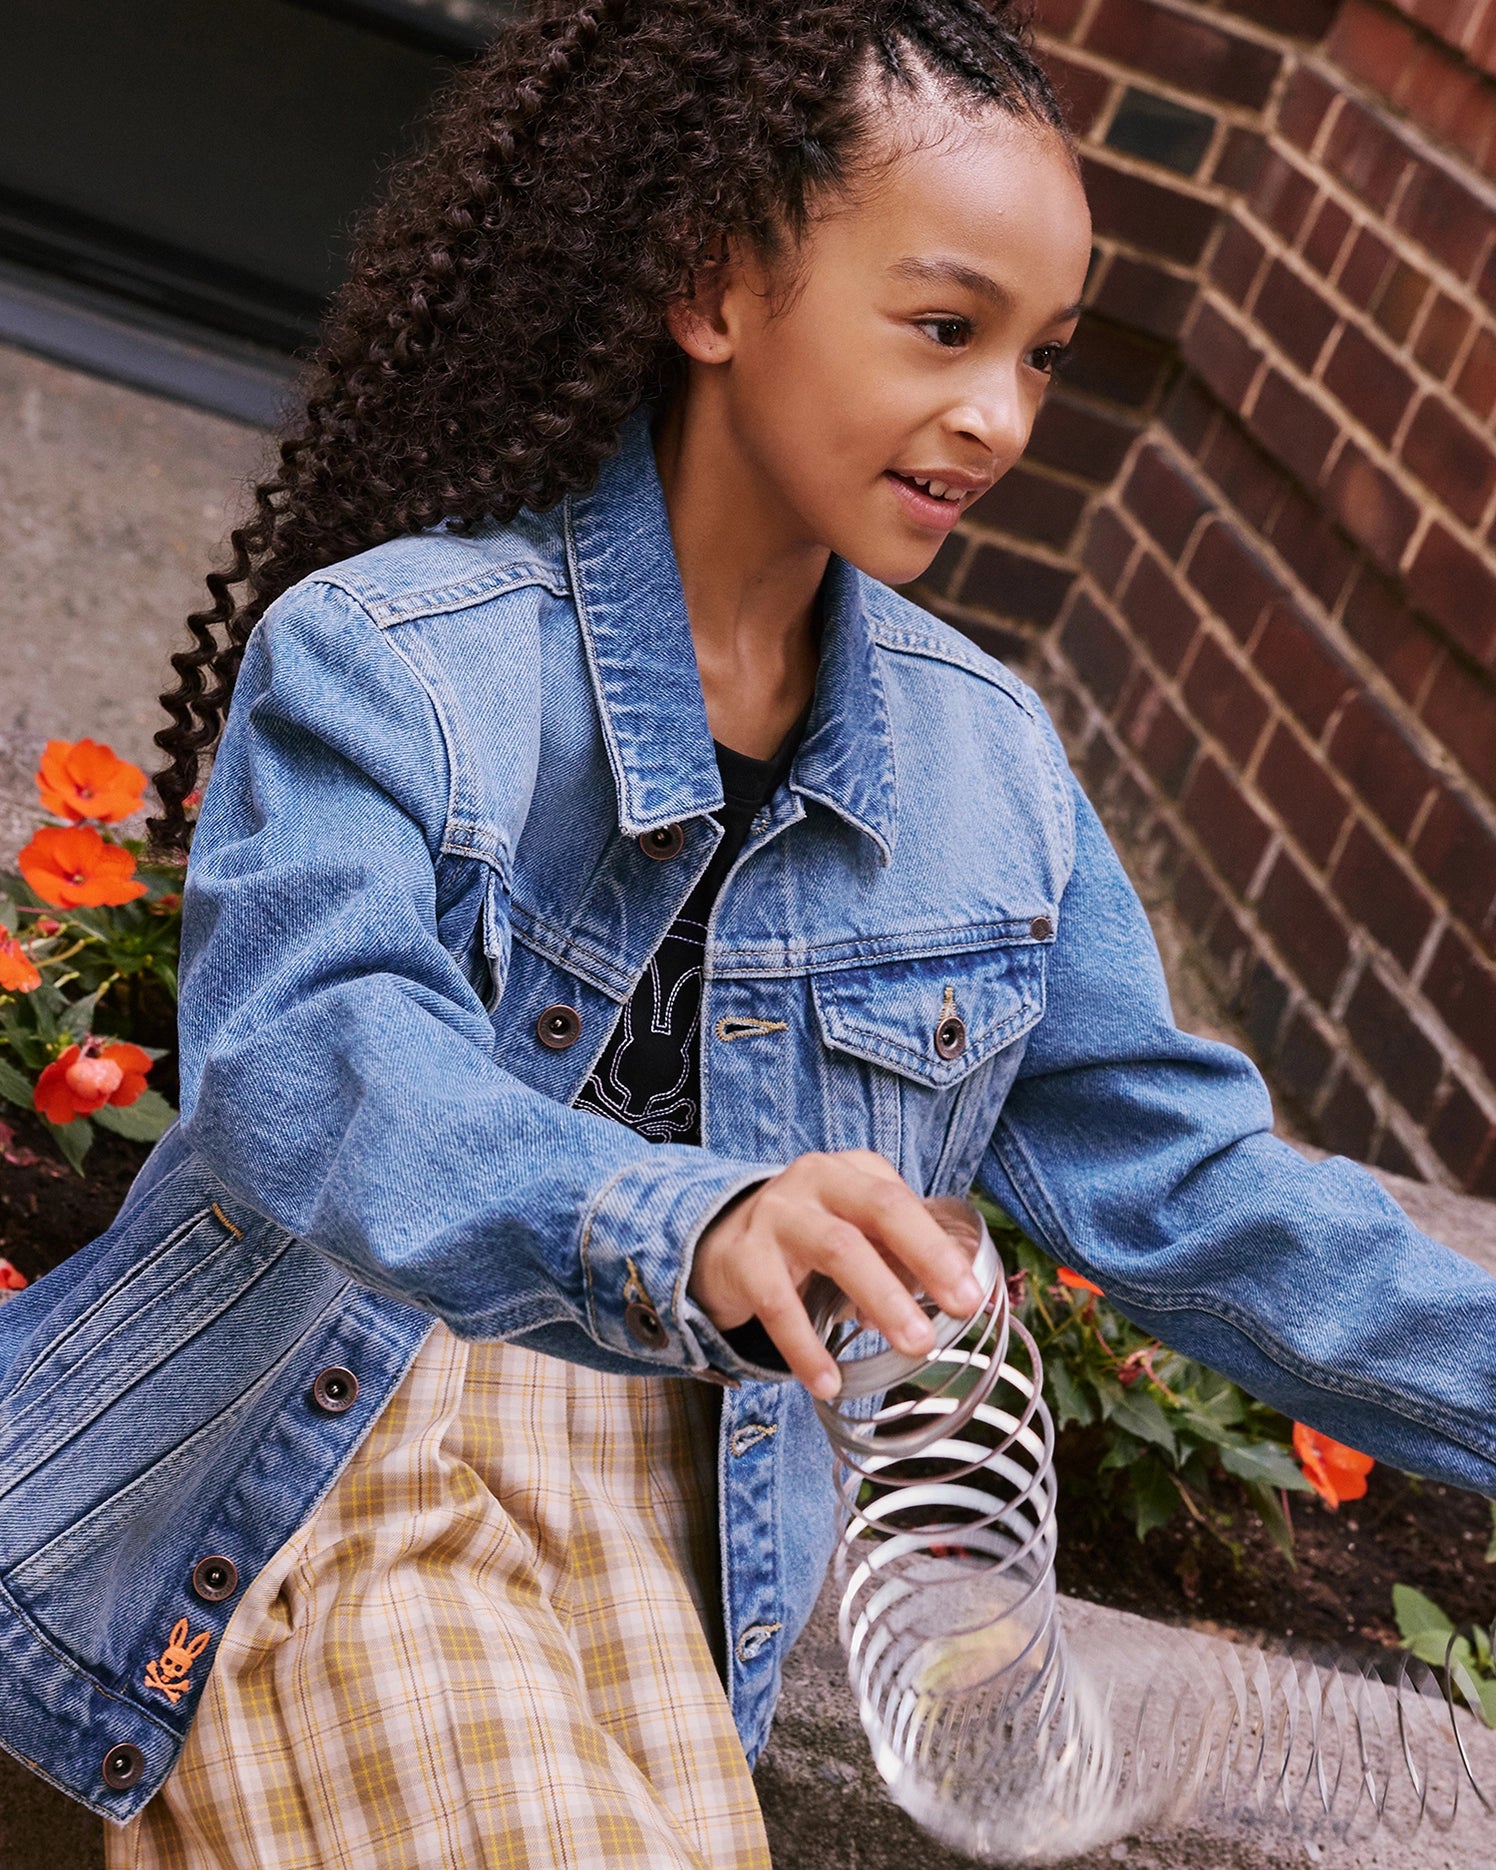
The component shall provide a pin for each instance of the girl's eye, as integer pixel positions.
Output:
(1050, 358)
(949, 333)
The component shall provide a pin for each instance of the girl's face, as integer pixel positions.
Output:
(913, 345)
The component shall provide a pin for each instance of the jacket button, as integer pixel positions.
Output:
(559, 1028)
(642, 1322)
(335, 1391)
(214, 1579)
(123, 1767)
(669, 841)
(755, 1640)
(950, 1036)
(1041, 928)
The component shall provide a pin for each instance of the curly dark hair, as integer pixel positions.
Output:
(504, 308)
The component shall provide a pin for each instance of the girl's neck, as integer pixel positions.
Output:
(751, 581)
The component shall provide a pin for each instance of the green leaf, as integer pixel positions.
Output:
(1142, 1415)
(77, 1020)
(14, 1087)
(1274, 1519)
(1152, 1495)
(148, 1118)
(1491, 1548)
(1071, 1404)
(1419, 1616)
(1267, 1462)
(73, 1140)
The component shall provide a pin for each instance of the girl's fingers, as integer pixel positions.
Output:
(784, 1317)
(894, 1218)
(845, 1255)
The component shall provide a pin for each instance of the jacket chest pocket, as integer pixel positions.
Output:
(925, 1051)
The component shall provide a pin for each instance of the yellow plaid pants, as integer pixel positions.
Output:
(485, 1650)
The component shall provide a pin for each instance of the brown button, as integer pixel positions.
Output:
(123, 1767)
(642, 1322)
(214, 1579)
(719, 1377)
(559, 1028)
(950, 1036)
(335, 1391)
(669, 841)
(1041, 928)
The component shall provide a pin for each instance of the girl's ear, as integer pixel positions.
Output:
(696, 319)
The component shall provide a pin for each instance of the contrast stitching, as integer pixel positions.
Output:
(237, 1232)
(745, 1438)
(730, 1029)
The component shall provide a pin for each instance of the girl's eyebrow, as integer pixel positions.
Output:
(924, 271)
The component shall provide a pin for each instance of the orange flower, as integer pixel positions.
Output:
(81, 779)
(74, 868)
(86, 1077)
(1334, 1471)
(17, 974)
(11, 1279)
(1078, 1282)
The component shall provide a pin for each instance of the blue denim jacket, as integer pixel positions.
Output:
(421, 833)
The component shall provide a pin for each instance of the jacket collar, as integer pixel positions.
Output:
(638, 640)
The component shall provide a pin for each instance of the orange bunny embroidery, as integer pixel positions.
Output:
(171, 1672)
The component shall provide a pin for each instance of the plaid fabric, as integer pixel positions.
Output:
(485, 1649)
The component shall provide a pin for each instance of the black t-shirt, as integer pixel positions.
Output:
(649, 1075)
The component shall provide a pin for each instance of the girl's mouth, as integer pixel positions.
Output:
(938, 512)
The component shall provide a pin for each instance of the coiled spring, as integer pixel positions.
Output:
(1024, 1731)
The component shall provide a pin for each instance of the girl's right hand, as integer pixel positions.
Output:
(852, 1217)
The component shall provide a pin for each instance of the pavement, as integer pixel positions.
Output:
(112, 504)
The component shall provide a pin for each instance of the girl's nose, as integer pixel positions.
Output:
(1000, 419)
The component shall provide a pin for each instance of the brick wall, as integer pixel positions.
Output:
(1251, 555)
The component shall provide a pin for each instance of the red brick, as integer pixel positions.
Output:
(1461, 986)
(1369, 382)
(1383, 766)
(1400, 300)
(1476, 384)
(1260, 1004)
(1189, 415)
(1234, 264)
(1394, 1158)
(1304, 1058)
(1445, 326)
(1453, 462)
(1232, 578)
(1384, 898)
(1224, 701)
(1159, 735)
(1014, 585)
(1116, 365)
(1458, 590)
(1301, 666)
(1462, 1134)
(1326, 236)
(1457, 851)
(1303, 19)
(1195, 897)
(1347, 1121)
(1082, 441)
(1220, 354)
(1371, 506)
(1169, 505)
(1460, 707)
(1099, 764)
(1185, 51)
(1081, 89)
(1445, 218)
(1377, 616)
(1309, 931)
(1283, 195)
(1371, 45)
(1231, 945)
(1366, 155)
(1305, 105)
(1032, 506)
(1233, 832)
(1159, 219)
(1243, 473)
(1292, 311)
(1160, 615)
(1312, 546)
(1485, 285)
(1098, 651)
(1365, 268)
(1402, 1057)
(1294, 781)
(1239, 163)
(1291, 426)
(1146, 296)
(1108, 547)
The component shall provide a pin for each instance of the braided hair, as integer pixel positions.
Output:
(504, 308)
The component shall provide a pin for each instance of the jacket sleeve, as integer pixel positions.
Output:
(1144, 1158)
(339, 1071)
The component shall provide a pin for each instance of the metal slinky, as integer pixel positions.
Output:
(1019, 1739)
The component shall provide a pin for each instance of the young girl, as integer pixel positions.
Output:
(611, 906)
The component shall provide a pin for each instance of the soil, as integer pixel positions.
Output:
(1339, 1590)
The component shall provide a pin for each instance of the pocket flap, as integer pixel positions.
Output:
(899, 1014)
